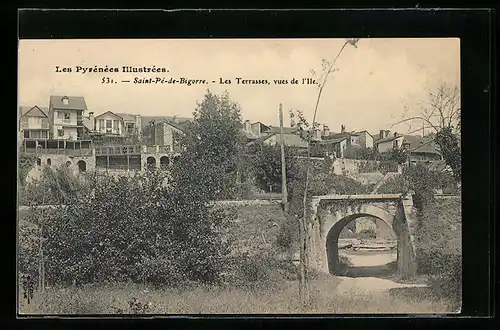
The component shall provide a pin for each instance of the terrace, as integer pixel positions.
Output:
(57, 147)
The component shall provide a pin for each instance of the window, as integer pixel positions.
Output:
(60, 115)
(116, 125)
(66, 116)
(26, 134)
(109, 123)
(396, 144)
(60, 132)
(49, 161)
(101, 124)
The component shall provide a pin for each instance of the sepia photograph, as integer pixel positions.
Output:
(239, 176)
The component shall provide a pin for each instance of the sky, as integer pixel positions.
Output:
(369, 91)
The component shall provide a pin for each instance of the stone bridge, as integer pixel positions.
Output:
(331, 213)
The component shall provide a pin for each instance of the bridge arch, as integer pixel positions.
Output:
(334, 222)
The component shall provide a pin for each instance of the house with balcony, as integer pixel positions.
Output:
(109, 123)
(132, 124)
(66, 117)
(33, 122)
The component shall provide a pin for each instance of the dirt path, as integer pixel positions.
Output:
(369, 263)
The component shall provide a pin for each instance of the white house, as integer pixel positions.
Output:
(34, 122)
(109, 123)
(66, 116)
(388, 142)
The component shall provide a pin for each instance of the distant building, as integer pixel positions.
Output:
(365, 139)
(33, 122)
(419, 148)
(66, 117)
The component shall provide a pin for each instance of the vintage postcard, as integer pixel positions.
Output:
(239, 176)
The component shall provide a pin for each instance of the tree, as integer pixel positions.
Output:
(267, 164)
(441, 114)
(211, 146)
(304, 224)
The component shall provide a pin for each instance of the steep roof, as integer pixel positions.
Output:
(74, 102)
(332, 140)
(364, 131)
(277, 130)
(341, 135)
(34, 111)
(291, 140)
(126, 116)
(388, 139)
(87, 123)
(420, 144)
(108, 112)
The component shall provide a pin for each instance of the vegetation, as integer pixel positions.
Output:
(441, 114)
(282, 299)
(140, 229)
(438, 235)
(267, 164)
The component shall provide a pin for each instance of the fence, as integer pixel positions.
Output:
(67, 152)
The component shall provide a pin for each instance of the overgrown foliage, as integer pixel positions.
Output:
(150, 228)
(211, 146)
(267, 165)
(451, 151)
(415, 179)
(442, 114)
(26, 163)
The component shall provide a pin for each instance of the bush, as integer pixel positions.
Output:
(134, 229)
(367, 233)
(439, 248)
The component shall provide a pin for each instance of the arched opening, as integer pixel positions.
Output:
(82, 166)
(164, 162)
(68, 163)
(359, 254)
(39, 161)
(49, 161)
(151, 162)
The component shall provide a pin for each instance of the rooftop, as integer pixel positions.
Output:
(74, 102)
(34, 111)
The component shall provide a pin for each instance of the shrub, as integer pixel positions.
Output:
(368, 233)
(134, 229)
(439, 248)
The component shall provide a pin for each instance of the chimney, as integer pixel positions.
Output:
(247, 126)
(92, 120)
(318, 133)
(138, 125)
(387, 133)
(395, 134)
(342, 129)
(381, 134)
(326, 131)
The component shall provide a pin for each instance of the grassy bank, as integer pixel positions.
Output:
(283, 299)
